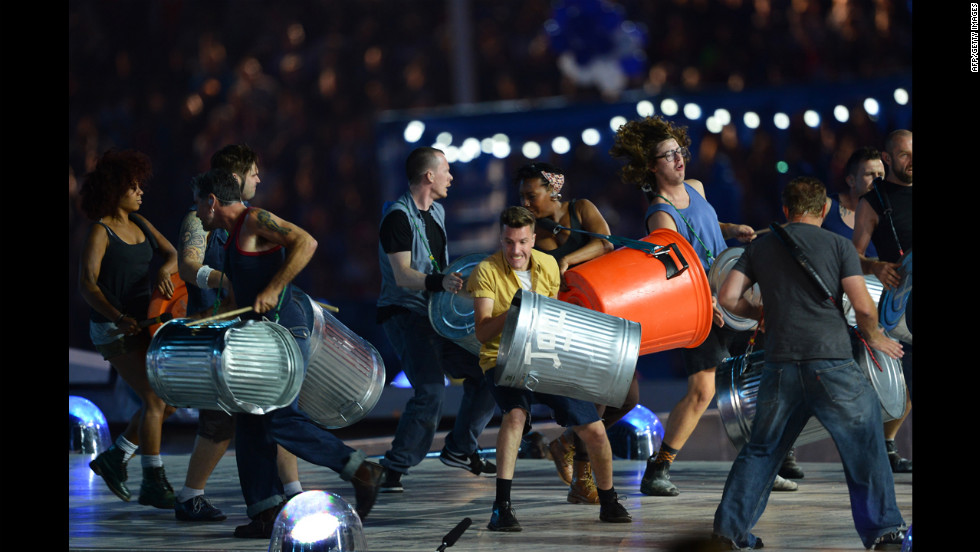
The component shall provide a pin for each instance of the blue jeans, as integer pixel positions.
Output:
(256, 436)
(426, 357)
(841, 397)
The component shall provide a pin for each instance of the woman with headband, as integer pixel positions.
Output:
(540, 191)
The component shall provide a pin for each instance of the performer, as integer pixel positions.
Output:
(493, 284)
(412, 253)
(114, 279)
(540, 191)
(264, 254)
(891, 234)
(809, 371)
(657, 152)
(200, 257)
(863, 167)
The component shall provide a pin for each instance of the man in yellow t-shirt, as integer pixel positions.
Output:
(493, 284)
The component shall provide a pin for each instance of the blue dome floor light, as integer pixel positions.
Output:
(88, 430)
(317, 521)
(637, 436)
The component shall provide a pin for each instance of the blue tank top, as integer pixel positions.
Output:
(836, 224)
(704, 220)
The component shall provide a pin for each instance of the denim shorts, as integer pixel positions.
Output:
(110, 346)
(567, 412)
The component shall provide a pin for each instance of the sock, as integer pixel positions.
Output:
(151, 461)
(292, 488)
(605, 497)
(188, 493)
(666, 454)
(129, 449)
(503, 490)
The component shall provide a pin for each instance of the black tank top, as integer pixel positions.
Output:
(575, 240)
(124, 276)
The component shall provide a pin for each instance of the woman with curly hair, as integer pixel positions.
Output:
(656, 153)
(114, 279)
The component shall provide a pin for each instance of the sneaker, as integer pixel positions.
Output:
(614, 512)
(899, 464)
(790, 469)
(198, 508)
(781, 484)
(730, 543)
(656, 480)
(392, 483)
(261, 525)
(111, 466)
(155, 490)
(563, 453)
(890, 541)
(583, 489)
(473, 463)
(503, 518)
(367, 484)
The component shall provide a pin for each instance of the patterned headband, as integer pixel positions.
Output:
(556, 181)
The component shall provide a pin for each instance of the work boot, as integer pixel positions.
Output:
(367, 482)
(790, 469)
(614, 512)
(110, 464)
(899, 464)
(656, 480)
(562, 452)
(155, 490)
(583, 489)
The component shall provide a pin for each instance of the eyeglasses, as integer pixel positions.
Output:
(670, 155)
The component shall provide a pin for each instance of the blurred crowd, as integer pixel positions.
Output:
(302, 81)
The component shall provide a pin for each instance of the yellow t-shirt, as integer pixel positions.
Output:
(494, 279)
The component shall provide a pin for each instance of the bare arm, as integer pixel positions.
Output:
(865, 221)
(487, 326)
(592, 221)
(867, 317)
(169, 253)
(409, 278)
(299, 244)
(731, 296)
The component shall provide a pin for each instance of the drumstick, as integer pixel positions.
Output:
(165, 317)
(228, 314)
(330, 308)
(760, 232)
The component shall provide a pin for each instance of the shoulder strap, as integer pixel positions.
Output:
(804, 263)
(146, 231)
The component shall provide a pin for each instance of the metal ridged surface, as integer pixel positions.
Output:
(451, 314)
(716, 277)
(874, 289)
(252, 367)
(345, 375)
(558, 348)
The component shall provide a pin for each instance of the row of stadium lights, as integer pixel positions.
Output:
(499, 145)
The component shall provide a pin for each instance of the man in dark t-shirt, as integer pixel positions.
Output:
(809, 371)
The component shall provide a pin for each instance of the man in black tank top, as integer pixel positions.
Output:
(884, 217)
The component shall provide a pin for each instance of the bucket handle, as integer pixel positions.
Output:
(658, 251)
(670, 265)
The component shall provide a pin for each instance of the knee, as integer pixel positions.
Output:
(591, 433)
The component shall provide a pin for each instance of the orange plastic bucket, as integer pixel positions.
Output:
(176, 305)
(632, 284)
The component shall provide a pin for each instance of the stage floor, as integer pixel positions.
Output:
(436, 498)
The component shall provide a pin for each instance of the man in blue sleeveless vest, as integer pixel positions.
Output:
(201, 255)
(889, 227)
(264, 253)
(412, 252)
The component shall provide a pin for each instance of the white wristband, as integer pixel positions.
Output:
(202, 276)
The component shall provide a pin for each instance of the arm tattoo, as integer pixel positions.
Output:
(192, 239)
(265, 220)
